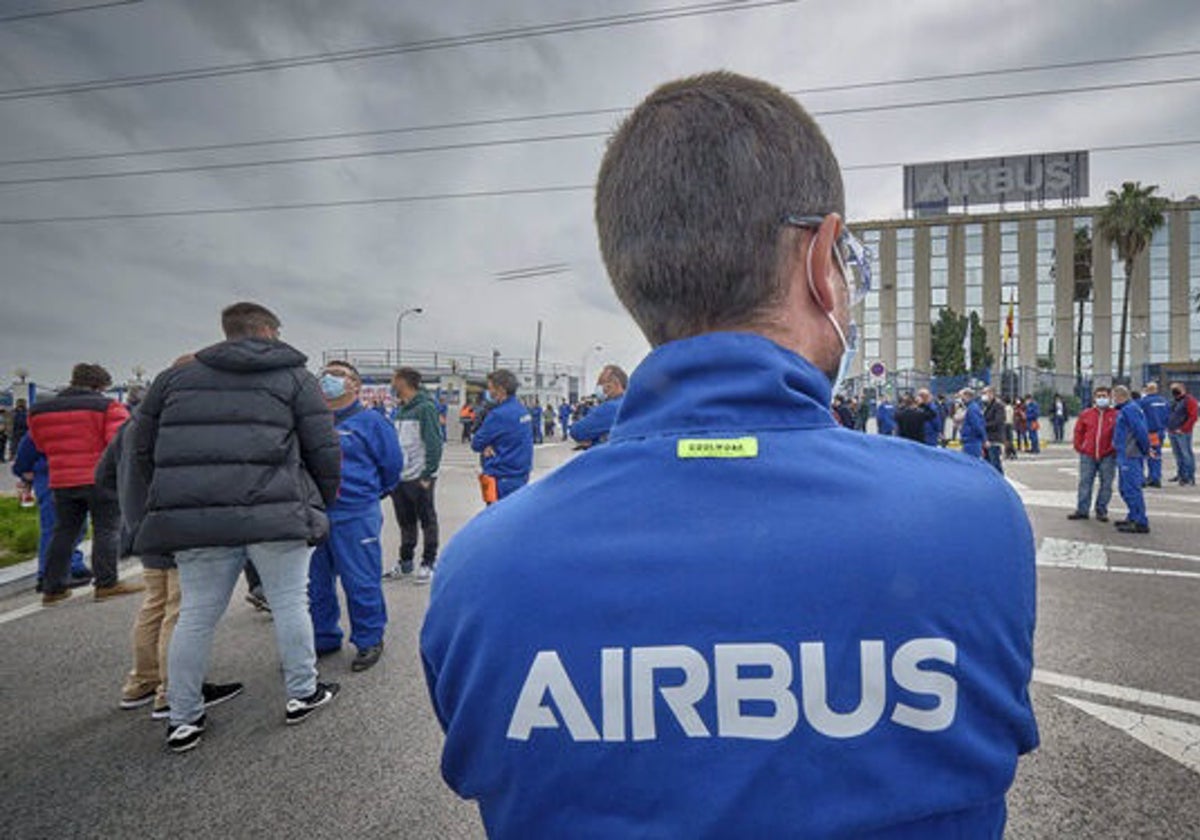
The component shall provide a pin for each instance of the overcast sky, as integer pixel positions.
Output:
(142, 291)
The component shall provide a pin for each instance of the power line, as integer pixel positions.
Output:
(587, 112)
(515, 141)
(67, 11)
(413, 199)
(362, 53)
(527, 269)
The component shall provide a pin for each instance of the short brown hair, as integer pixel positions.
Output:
(505, 379)
(91, 376)
(246, 319)
(410, 375)
(691, 197)
(344, 366)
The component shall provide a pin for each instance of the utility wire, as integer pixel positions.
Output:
(529, 268)
(67, 11)
(362, 53)
(588, 112)
(515, 141)
(413, 199)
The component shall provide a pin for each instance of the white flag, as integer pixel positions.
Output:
(967, 345)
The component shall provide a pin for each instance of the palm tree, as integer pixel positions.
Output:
(1129, 222)
(1083, 290)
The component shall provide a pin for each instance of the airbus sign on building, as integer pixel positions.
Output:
(936, 186)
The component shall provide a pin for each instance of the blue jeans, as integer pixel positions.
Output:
(1185, 458)
(1089, 468)
(206, 580)
(1035, 445)
(993, 454)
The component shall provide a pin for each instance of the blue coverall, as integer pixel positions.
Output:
(1157, 409)
(28, 459)
(1132, 442)
(371, 465)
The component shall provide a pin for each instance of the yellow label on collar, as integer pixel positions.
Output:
(746, 447)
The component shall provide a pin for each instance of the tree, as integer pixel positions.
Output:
(1083, 289)
(946, 344)
(1129, 222)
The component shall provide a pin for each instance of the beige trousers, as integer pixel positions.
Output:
(152, 635)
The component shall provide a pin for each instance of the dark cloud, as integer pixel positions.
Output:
(141, 292)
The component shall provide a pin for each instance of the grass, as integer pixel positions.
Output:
(18, 531)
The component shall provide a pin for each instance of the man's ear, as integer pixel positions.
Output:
(822, 273)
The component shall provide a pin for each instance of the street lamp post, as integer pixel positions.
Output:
(416, 310)
(595, 348)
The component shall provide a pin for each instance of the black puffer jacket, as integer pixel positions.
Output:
(236, 447)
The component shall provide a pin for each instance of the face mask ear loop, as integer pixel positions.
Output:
(813, 290)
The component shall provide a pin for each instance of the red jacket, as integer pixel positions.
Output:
(72, 430)
(1094, 432)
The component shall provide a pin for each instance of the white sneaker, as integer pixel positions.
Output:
(422, 575)
(394, 573)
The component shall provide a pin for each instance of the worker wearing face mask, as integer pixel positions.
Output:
(1131, 440)
(1097, 458)
(371, 465)
(504, 439)
(610, 391)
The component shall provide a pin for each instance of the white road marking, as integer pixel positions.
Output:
(1057, 553)
(1016, 485)
(1175, 739)
(1154, 699)
(21, 612)
(1066, 500)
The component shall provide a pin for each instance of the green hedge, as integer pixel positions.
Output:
(18, 531)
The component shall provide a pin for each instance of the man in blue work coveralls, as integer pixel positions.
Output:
(371, 464)
(1157, 409)
(885, 416)
(610, 390)
(1032, 414)
(1131, 440)
(504, 439)
(564, 418)
(737, 658)
(30, 466)
(974, 429)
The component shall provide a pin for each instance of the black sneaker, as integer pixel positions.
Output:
(182, 737)
(213, 694)
(81, 579)
(1133, 528)
(1101, 516)
(366, 657)
(1079, 515)
(299, 708)
(256, 599)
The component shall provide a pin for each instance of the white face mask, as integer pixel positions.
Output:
(848, 337)
(1101, 402)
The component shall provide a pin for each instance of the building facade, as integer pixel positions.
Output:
(986, 262)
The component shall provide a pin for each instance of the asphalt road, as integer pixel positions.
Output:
(1117, 695)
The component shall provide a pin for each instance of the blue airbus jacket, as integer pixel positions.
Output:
(29, 459)
(934, 425)
(1157, 409)
(738, 658)
(506, 429)
(371, 460)
(1032, 411)
(596, 426)
(885, 417)
(974, 430)
(1131, 438)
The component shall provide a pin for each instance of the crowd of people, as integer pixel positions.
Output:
(698, 638)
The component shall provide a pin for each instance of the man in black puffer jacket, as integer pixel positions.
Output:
(237, 449)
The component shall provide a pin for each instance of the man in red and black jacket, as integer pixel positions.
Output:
(1094, 443)
(73, 429)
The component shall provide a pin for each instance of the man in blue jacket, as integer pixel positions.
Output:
(737, 658)
(1131, 440)
(504, 439)
(885, 416)
(30, 466)
(1032, 412)
(974, 429)
(1157, 409)
(610, 390)
(564, 418)
(371, 465)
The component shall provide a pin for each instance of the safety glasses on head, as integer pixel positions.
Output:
(853, 257)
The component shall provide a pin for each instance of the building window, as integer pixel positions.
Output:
(1160, 296)
(1045, 290)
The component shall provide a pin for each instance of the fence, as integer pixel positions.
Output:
(380, 363)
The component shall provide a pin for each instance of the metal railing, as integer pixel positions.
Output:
(373, 362)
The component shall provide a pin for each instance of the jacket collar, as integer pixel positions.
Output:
(723, 381)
